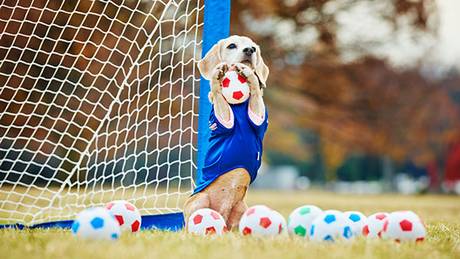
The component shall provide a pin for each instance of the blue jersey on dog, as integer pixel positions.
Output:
(231, 148)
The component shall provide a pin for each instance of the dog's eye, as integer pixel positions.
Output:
(231, 46)
(253, 49)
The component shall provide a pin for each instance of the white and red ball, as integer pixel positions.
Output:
(126, 214)
(96, 224)
(206, 222)
(357, 221)
(235, 88)
(280, 221)
(300, 219)
(259, 221)
(330, 225)
(374, 226)
(404, 226)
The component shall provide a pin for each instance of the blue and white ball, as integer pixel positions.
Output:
(96, 224)
(300, 219)
(357, 222)
(331, 225)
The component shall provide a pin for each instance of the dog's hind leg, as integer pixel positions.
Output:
(236, 213)
(194, 203)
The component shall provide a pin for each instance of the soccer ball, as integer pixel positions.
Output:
(357, 221)
(96, 224)
(374, 226)
(404, 226)
(280, 221)
(206, 222)
(330, 225)
(235, 88)
(126, 214)
(260, 220)
(300, 220)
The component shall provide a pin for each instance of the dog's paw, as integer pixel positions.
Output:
(250, 76)
(243, 70)
(247, 73)
(219, 71)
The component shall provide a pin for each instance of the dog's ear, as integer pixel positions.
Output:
(261, 69)
(210, 61)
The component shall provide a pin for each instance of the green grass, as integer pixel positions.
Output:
(441, 214)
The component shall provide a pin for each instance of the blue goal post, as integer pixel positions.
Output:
(216, 27)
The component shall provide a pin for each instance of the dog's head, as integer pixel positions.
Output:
(234, 49)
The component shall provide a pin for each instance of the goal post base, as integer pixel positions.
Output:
(166, 222)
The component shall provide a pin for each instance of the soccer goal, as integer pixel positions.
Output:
(100, 100)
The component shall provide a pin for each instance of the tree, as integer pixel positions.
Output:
(354, 93)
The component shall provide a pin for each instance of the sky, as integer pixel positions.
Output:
(363, 29)
(403, 47)
(448, 50)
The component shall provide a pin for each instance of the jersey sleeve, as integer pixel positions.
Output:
(218, 126)
(259, 124)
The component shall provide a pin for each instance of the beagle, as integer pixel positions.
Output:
(237, 130)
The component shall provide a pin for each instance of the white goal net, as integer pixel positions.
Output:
(98, 101)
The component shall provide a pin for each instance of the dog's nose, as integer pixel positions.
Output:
(248, 51)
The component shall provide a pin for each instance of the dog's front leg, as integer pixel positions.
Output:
(256, 102)
(221, 107)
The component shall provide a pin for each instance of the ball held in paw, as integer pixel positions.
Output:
(96, 224)
(235, 88)
(206, 222)
(126, 214)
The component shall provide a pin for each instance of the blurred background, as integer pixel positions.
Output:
(364, 96)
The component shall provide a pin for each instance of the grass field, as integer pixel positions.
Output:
(440, 213)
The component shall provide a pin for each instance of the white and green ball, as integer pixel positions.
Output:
(300, 220)
(331, 225)
(96, 224)
(357, 222)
